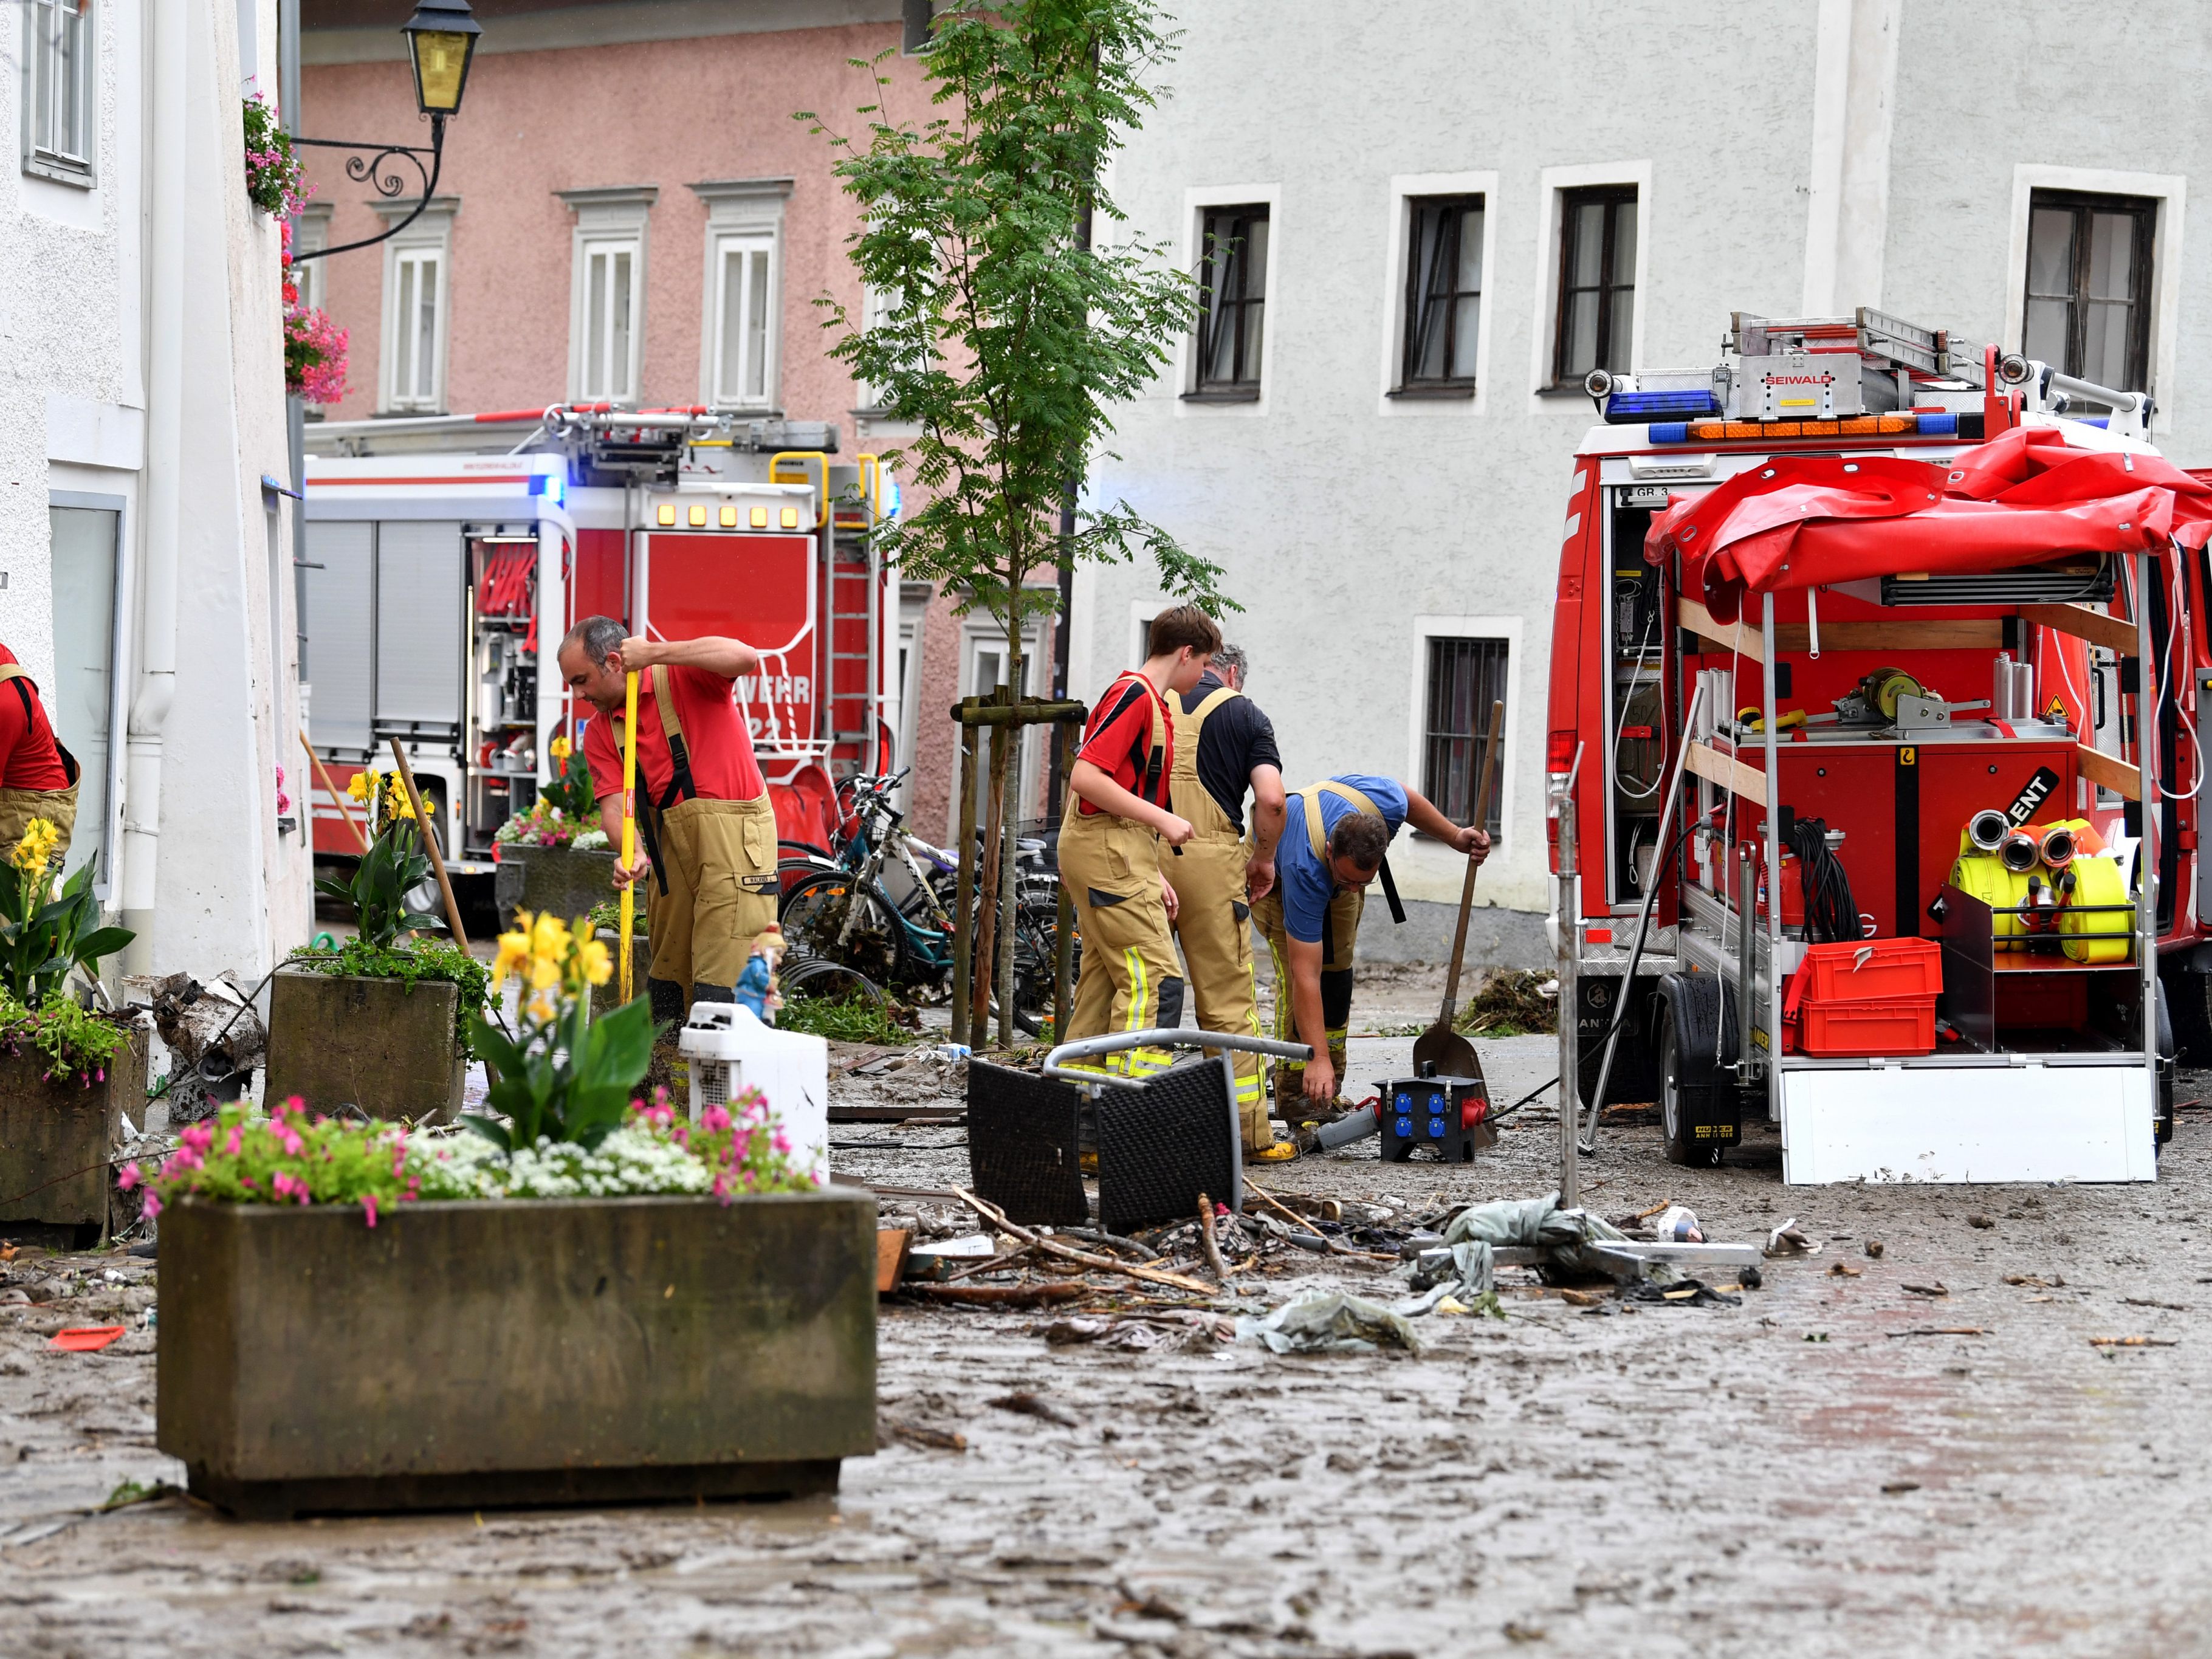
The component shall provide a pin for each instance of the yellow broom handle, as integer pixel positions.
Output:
(629, 825)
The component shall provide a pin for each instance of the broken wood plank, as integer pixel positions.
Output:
(2114, 633)
(997, 1217)
(1729, 772)
(1003, 1296)
(891, 1257)
(2109, 772)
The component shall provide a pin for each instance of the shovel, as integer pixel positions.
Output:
(1440, 1051)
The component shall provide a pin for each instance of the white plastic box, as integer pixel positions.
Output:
(730, 1051)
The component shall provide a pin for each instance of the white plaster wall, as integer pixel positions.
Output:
(1338, 525)
(72, 390)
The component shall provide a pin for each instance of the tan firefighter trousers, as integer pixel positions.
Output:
(718, 859)
(1214, 914)
(1129, 980)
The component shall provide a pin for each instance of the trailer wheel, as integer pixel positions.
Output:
(1674, 1119)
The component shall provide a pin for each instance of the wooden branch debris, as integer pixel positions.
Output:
(1213, 1240)
(997, 1217)
(1003, 1296)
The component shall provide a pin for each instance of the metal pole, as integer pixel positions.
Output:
(1773, 875)
(1566, 906)
(2147, 698)
(629, 829)
(1660, 863)
(1063, 939)
(964, 890)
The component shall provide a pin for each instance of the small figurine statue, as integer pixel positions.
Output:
(756, 986)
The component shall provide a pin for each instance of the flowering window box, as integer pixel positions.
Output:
(517, 1350)
(562, 881)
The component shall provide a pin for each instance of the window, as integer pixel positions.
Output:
(2088, 286)
(611, 297)
(744, 336)
(1443, 293)
(916, 18)
(81, 702)
(1233, 280)
(58, 64)
(415, 329)
(1597, 282)
(741, 327)
(1466, 677)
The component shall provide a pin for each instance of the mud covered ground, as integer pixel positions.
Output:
(1805, 1473)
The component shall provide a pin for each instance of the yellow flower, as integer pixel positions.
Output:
(33, 852)
(544, 973)
(513, 953)
(549, 938)
(559, 748)
(359, 787)
(542, 1006)
(597, 965)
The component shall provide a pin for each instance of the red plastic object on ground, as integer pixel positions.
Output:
(86, 1338)
(1857, 1000)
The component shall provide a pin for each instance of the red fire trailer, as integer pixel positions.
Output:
(1847, 626)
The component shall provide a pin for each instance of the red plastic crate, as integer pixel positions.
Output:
(1871, 970)
(1862, 1029)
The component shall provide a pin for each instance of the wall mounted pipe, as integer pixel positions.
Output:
(165, 386)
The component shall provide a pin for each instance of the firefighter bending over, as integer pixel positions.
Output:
(1333, 846)
(706, 829)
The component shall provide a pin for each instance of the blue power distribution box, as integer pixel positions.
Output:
(1445, 1113)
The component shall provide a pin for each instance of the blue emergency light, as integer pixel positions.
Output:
(553, 486)
(1627, 408)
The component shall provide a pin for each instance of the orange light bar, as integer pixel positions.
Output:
(1860, 426)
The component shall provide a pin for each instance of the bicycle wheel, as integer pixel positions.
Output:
(815, 914)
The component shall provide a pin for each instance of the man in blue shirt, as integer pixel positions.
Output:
(1334, 837)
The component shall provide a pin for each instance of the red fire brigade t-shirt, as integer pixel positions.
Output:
(33, 759)
(1117, 740)
(714, 736)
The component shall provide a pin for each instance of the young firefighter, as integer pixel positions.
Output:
(1338, 833)
(1223, 746)
(1110, 858)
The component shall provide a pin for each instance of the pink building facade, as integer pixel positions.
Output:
(627, 212)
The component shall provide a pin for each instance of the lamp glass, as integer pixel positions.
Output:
(441, 64)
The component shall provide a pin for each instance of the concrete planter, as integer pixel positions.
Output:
(556, 878)
(56, 1139)
(516, 1351)
(606, 999)
(338, 1040)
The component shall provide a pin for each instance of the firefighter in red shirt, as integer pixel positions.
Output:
(37, 776)
(707, 830)
(1109, 858)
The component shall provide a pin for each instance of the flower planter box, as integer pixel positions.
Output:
(56, 1139)
(379, 1044)
(556, 878)
(606, 999)
(463, 1355)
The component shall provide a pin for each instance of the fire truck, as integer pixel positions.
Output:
(446, 558)
(1873, 762)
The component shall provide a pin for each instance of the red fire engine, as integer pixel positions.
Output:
(439, 579)
(1873, 760)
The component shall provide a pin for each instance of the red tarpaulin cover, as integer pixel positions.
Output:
(2025, 498)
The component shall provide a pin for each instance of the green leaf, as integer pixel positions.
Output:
(489, 1128)
(103, 942)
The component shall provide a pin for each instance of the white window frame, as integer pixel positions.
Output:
(1506, 631)
(1195, 201)
(1552, 187)
(611, 220)
(977, 636)
(1405, 187)
(914, 600)
(310, 234)
(36, 18)
(747, 214)
(2170, 191)
(430, 238)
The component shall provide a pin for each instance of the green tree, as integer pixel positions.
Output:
(1010, 329)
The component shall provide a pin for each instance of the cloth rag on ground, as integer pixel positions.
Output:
(1331, 1323)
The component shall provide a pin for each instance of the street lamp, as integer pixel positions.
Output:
(441, 45)
(442, 42)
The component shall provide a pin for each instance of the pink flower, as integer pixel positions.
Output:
(199, 1137)
(237, 1139)
(128, 1178)
(293, 1144)
(293, 1106)
(714, 1119)
(368, 1203)
(152, 1206)
(781, 1141)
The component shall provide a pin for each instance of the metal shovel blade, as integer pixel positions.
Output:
(1440, 1051)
